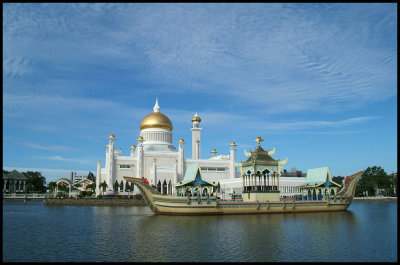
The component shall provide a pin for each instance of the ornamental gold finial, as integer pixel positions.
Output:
(259, 140)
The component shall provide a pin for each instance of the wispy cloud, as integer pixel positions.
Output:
(276, 52)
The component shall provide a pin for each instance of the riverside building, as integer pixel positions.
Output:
(157, 159)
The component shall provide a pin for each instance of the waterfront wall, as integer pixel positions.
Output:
(95, 202)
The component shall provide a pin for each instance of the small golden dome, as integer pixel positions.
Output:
(99, 162)
(133, 146)
(196, 118)
(181, 140)
(232, 143)
(107, 146)
(213, 151)
(156, 120)
(111, 137)
(140, 138)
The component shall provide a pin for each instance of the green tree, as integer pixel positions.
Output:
(116, 186)
(103, 186)
(35, 181)
(92, 187)
(52, 186)
(128, 188)
(372, 179)
(338, 180)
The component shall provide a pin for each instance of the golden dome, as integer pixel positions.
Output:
(111, 137)
(156, 120)
(232, 143)
(213, 151)
(133, 146)
(181, 140)
(140, 138)
(196, 118)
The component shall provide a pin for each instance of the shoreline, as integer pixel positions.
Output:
(375, 199)
(93, 202)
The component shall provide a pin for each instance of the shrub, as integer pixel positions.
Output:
(100, 196)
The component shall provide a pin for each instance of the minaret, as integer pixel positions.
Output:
(232, 159)
(111, 140)
(196, 137)
(140, 157)
(180, 163)
(98, 178)
(133, 148)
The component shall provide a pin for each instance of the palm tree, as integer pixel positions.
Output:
(128, 188)
(116, 186)
(52, 186)
(103, 186)
(92, 187)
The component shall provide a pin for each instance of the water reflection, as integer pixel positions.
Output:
(367, 232)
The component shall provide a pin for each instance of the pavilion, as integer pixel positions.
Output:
(193, 183)
(319, 184)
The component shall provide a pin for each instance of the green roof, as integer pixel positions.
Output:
(190, 175)
(15, 175)
(260, 157)
(318, 176)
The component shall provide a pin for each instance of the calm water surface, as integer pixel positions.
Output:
(367, 231)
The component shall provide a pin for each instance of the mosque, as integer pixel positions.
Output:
(158, 160)
(164, 166)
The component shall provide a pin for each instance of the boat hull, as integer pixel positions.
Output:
(230, 208)
(174, 205)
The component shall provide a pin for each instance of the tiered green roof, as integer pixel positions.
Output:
(260, 157)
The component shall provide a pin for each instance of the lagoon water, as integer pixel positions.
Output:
(32, 232)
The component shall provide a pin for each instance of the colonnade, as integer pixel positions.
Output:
(260, 181)
(311, 194)
(11, 185)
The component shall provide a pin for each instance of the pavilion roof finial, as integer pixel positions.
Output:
(156, 106)
(259, 140)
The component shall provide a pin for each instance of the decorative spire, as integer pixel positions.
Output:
(196, 118)
(156, 107)
(259, 140)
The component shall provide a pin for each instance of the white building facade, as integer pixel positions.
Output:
(163, 165)
(158, 160)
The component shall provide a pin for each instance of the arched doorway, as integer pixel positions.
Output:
(164, 188)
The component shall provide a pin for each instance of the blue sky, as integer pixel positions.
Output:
(316, 81)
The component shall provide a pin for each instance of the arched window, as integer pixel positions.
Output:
(164, 187)
(205, 191)
(121, 186)
(169, 188)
